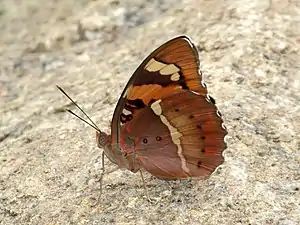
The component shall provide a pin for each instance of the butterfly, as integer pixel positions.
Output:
(165, 122)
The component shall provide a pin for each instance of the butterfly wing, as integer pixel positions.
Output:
(165, 105)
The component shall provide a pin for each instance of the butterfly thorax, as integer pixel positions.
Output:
(120, 154)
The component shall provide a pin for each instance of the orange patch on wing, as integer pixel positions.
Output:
(151, 91)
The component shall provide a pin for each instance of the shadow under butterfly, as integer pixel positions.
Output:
(165, 122)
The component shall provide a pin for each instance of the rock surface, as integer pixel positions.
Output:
(49, 162)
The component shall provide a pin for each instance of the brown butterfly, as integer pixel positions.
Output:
(165, 122)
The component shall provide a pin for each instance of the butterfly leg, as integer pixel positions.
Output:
(104, 171)
(145, 188)
(102, 175)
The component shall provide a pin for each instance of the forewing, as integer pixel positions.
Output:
(173, 66)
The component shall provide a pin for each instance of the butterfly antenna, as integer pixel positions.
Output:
(92, 124)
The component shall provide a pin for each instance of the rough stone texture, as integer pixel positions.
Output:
(49, 162)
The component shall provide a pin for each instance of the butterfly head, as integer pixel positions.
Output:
(102, 139)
